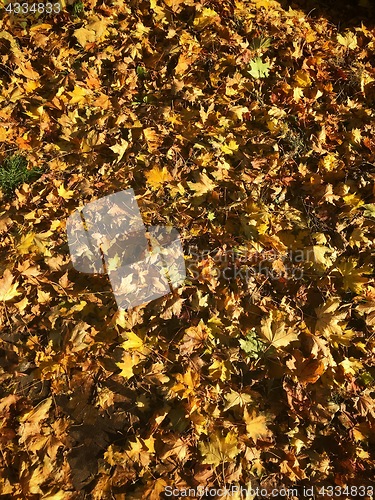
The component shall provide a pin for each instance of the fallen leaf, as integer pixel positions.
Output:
(8, 289)
(220, 450)
(256, 425)
(276, 332)
(157, 176)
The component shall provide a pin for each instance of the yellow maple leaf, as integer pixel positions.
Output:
(319, 256)
(353, 276)
(174, 5)
(155, 488)
(302, 79)
(230, 147)
(93, 32)
(351, 366)
(184, 63)
(133, 342)
(84, 36)
(65, 194)
(235, 398)
(140, 30)
(203, 186)
(186, 383)
(43, 297)
(220, 369)
(35, 112)
(8, 289)
(329, 320)
(349, 40)
(204, 18)
(27, 242)
(129, 361)
(353, 200)
(78, 95)
(157, 176)
(30, 86)
(275, 331)
(31, 421)
(256, 425)
(329, 162)
(218, 450)
(120, 149)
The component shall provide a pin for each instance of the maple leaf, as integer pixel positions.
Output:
(258, 69)
(230, 147)
(186, 383)
(31, 421)
(351, 366)
(307, 370)
(234, 398)
(256, 425)
(134, 342)
(353, 276)
(96, 31)
(65, 194)
(365, 404)
(129, 361)
(194, 338)
(155, 489)
(218, 450)
(369, 210)
(203, 186)
(137, 452)
(220, 369)
(349, 40)
(178, 448)
(32, 242)
(78, 95)
(8, 289)
(292, 470)
(35, 112)
(252, 345)
(205, 18)
(157, 176)
(368, 306)
(329, 321)
(275, 331)
(320, 256)
(120, 149)
(302, 79)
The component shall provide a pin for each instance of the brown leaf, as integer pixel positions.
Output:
(307, 371)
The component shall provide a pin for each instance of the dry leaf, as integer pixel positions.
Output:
(157, 176)
(220, 450)
(256, 425)
(275, 331)
(8, 289)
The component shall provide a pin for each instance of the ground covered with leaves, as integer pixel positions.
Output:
(249, 127)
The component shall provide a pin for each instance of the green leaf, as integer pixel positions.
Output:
(142, 72)
(252, 345)
(259, 69)
(369, 210)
